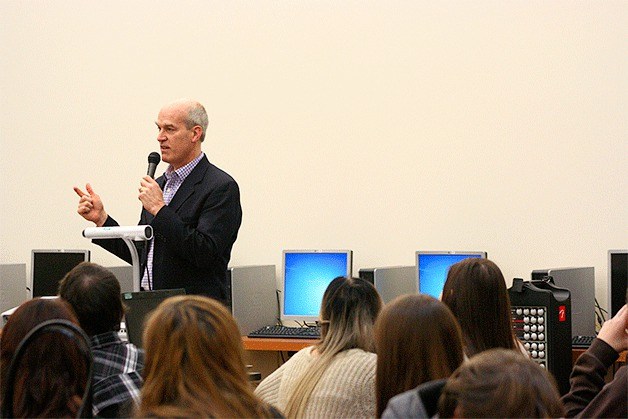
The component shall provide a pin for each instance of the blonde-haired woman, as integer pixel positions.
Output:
(336, 377)
(195, 363)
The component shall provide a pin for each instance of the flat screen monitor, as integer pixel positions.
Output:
(580, 282)
(617, 280)
(49, 266)
(306, 275)
(138, 306)
(13, 285)
(124, 274)
(433, 266)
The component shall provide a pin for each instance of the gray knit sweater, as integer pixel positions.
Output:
(346, 389)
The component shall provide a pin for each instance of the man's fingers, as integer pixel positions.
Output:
(88, 187)
(79, 192)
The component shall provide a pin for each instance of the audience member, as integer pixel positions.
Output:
(418, 340)
(52, 375)
(195, 363)
(336, 377)
(590, 396)
(94, 294)
(500, 383)
(475, 292)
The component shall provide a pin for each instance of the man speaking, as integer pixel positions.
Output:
(193, 208)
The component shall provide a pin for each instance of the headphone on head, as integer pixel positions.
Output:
(67, 329)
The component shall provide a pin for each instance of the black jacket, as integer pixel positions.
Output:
(193, 234)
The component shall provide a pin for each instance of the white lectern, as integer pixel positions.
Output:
(129, 235)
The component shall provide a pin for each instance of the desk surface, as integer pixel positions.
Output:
(294, 345)
(276, 344)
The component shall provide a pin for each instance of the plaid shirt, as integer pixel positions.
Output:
(117, 371)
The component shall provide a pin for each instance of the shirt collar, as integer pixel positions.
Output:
(183, 171)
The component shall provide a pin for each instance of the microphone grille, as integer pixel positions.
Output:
(154, 157)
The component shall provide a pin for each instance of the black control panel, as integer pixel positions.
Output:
(541, 314)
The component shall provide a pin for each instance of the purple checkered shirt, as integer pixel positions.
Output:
(174, 179)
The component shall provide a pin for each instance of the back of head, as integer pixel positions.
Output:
(94, 294)
(475, 289)
(418, 340)
(53, 372)
(500, 383)
(348, 312)
(195, 362)
(24, 319)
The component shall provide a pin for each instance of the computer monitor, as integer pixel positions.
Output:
(138, 305)
(12, 285)
(617, 280)
(580, 282)
(49, 266)
(432, 268)
(306, 275)
(253, 298)
(124, 274)
(391, 281)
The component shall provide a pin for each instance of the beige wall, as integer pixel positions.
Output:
(383, 126)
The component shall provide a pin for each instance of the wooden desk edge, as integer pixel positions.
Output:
(276, 344)
(294, 345)
(576, 352)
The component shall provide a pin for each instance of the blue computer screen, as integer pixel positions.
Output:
(306, 276)
(433, 269)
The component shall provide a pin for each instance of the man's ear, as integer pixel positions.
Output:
(198, 131)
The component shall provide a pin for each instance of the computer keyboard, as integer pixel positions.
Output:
(276, 331)
(581, 341)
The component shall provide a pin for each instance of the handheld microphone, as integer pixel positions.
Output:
(153, 161)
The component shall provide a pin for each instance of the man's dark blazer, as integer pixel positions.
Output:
(193, 234)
